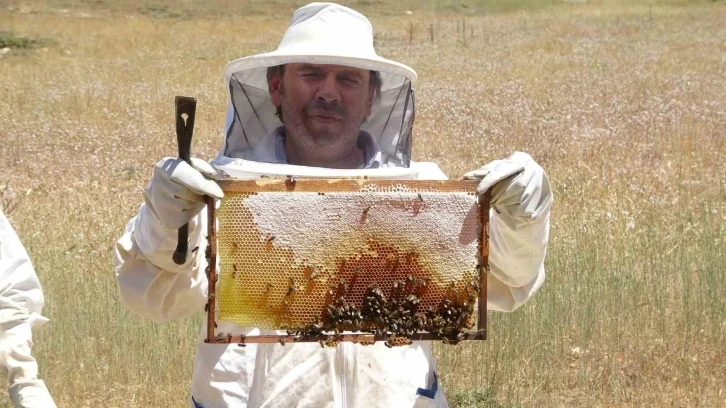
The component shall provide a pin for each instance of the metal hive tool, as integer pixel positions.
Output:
(349, 260)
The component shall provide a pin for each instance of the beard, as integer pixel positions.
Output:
(301, 125)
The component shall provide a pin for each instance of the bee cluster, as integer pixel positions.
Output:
(396, 316)
(207, 272)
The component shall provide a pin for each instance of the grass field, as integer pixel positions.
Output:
(622, 103)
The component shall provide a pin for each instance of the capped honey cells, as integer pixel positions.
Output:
(380, 260)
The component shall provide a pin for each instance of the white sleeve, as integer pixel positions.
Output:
(428, 171)
(21, 301)
(517, 249)
(150, 283)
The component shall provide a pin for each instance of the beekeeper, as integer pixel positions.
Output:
(322, 105)
(21, 301)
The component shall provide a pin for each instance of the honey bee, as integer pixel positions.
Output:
(330, 312)
(365, 210)
(291, 288)
(420, 197)
(282, 341)
(234, 273)
(356, 325)
(268, 244)
(331, 341)
(413, 299)
(313, 273)
(463, 319)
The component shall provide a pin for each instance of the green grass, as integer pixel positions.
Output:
(476, 398)
(8, 39)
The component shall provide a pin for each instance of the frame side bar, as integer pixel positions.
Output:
(484, 204)
(211, 253)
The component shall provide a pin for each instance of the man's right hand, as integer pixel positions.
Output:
(176, 190)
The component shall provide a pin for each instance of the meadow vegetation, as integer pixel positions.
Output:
(623, 103)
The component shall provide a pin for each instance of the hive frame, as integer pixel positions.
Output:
(291, 184)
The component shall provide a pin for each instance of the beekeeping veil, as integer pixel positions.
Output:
(320, 33)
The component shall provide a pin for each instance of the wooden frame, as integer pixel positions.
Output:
(290, 184)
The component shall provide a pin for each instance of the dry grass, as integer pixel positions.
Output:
(623, 105)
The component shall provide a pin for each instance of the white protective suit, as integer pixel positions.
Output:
(21, 301)
(306, 375)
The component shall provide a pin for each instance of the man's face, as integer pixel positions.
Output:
(323, 105)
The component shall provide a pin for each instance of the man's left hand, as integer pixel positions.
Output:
(520, 187)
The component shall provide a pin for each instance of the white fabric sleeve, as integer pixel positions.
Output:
(30, 394)
(150, 283)
(517, 249)
(21, 301)
(428, 171)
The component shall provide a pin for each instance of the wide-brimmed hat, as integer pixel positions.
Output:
(325, 33)
(320, 33)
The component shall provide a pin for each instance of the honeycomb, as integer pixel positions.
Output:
(381, 259)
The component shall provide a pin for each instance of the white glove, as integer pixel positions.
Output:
(30, 394)
(176, 191)
(520, 185)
